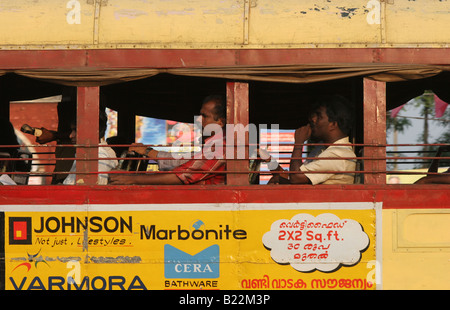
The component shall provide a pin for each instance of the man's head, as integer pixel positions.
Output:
(213, 111)
(331, 116)
(102, 124)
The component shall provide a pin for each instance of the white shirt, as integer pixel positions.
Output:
(170, 164)
(330, 165)
(103, 165)
(6, 180)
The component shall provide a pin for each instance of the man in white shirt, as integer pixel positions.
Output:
(330, 123)
(104, 151)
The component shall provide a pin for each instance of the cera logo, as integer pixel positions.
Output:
(181, 265)
(20, 230)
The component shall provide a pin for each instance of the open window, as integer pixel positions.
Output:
(262, 98)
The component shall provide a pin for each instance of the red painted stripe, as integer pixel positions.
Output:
(180, 58)
(392, 196)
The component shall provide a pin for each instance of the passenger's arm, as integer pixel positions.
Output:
(47, 136)
(301, 135)
(179, 158)
(151, 179)
(443, 178)
(280, 177)
(434, 166)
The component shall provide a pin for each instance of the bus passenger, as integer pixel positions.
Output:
(66, 110)
(213, 113)
(104, 165)
(443, 178)
(7, 138)
(329, 123)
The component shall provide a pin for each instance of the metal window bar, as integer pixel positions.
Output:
(444, 159)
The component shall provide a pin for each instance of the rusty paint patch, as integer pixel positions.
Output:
(347, 12)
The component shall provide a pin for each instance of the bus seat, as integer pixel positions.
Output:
(254, 165)
(359, 177)
(22, 166)
(132, 164)
(6, 165)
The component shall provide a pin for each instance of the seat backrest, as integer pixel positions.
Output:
(254, 165)
(5, 164)
(359, 177)
(22, 166)
(128, 164)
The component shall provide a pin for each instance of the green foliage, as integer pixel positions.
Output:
(400, 124)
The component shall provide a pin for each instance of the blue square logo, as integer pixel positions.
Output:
(181, 265)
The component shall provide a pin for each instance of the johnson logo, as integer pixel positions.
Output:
(20, 231)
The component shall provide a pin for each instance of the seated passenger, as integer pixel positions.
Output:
(443, 178)
(200, 169)
(103, 152)
(66, 111)
(9, 147)
(329, 123)
(8, 139)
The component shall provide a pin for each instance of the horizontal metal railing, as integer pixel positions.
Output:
(390, 158)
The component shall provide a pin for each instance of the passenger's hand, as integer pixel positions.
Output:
(264, 155)
(278, 179)
(302, 134)
(120, 179)
(274, 180)
(46, 136)
(271, 162)
(138, 148)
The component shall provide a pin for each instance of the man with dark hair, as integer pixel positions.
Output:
(193, 171)
(329, 123)
(220, 107)
(104, 165)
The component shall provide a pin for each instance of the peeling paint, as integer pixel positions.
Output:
(85, 240)
(342, 11)
(189, 11)
(347, 12)
(223, 11)
(116, 260)
(89, 259)
(124, 13)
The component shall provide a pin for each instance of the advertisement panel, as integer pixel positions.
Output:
(190, 246)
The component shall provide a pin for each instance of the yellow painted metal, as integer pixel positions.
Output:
(416, 248)
(161, 248)
(421, 22)
(292, 22)
(182, 22)
(26, 23)
(31, 24)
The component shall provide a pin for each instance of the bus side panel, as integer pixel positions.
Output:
(416, 248)
(209, 24)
